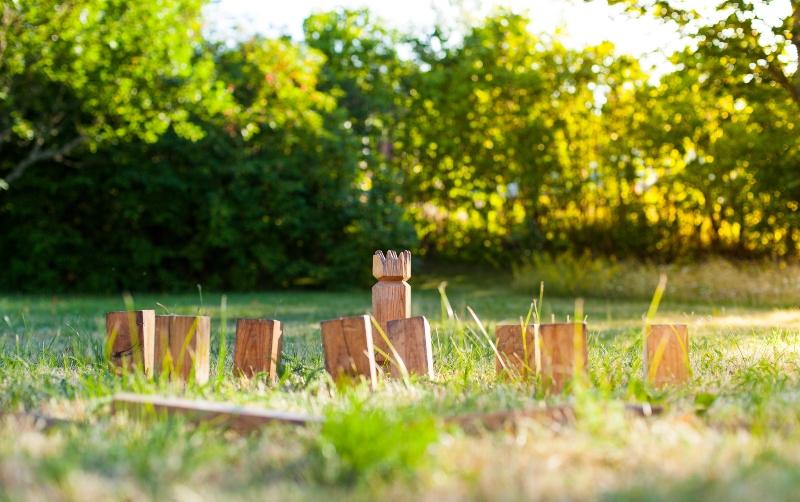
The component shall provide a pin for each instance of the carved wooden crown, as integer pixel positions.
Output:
(391, 265)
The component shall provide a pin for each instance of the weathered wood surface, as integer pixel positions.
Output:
(391, 266)
(131, 336)
(667, 354)
(247, 419)
(508, 419)
(239, 418)
(188, 340)
(162, 349)
(391, 295)
(348, 347)
(259, 343)
(563, 353)
(411, 339)
(517, 354)
(391, 300)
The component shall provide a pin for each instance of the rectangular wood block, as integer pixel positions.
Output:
(517, 353)
(131, 336)
(563, 352)
(258, 347)
(411, 338)
(188, 340)
(391, 300)
(348, 348)
(667, 354)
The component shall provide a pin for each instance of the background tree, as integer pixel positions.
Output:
(744, 60)
(165, 159)
(93, 72)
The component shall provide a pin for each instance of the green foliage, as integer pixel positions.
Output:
(736, 422)
(722, 131)
(269, 197)
(362, 442)
(141, 155)
(95, 72)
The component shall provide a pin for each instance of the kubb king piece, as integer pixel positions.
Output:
(391, 295)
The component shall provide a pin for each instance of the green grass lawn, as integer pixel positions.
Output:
(732, 433)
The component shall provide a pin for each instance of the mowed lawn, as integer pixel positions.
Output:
(730, 434)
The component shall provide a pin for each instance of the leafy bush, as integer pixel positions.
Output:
(249, 206)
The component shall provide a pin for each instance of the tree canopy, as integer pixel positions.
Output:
(137, 153)
(92, 72)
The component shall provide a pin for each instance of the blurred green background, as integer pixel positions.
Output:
(137, 152)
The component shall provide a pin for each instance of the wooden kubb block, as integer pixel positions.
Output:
(563, 353)
(516, 353)
(391, 295)
(131, 337)
(667, 354)
(411, 339)
(259, 343)
(187, 339)
(553, 351)
(348, 348)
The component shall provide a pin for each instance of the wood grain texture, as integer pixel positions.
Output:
(391, 295)
(131, 336)
(563, 352)
(239, 418)
(348, 348)
(161, 345)
(391, 300)
(189, 340)
(258, 348)
(518, 355)
(667, 354)
(392, 265)
(411, 339)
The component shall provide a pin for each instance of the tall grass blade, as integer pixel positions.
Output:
(134, 332)
(222, 355)
(447, 309)
(487, 337)
(395, 357)
(651, 313)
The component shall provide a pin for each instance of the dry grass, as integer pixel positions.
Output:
(732, 433)
(709, 282)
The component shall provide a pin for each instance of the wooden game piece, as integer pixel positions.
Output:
(348, 348)
(391, 295)
(517, 355)
(563, 353)
(189, 340)
(560, 414)
(242, 419)
(131, 336)
(162, 354)
(190, 345)
(667, 354)
(258, 347)
(411, 339)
